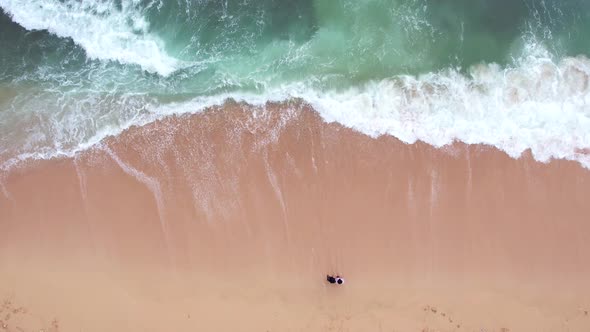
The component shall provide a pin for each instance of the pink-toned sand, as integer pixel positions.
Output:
(229, 220)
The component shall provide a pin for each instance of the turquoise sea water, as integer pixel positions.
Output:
(72, 72)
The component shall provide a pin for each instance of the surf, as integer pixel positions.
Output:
(76, 73)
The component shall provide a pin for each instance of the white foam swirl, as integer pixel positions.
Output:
(105, 31)
(537, 104)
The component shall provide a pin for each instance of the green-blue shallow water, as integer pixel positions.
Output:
(208, 46)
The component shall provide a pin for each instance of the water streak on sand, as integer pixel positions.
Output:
(278, 195)
(154, 187)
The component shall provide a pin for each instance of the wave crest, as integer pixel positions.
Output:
(104, 29)
(538, 104)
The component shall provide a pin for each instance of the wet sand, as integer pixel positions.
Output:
(230, 219)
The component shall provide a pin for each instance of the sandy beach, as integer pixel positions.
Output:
(229, 220)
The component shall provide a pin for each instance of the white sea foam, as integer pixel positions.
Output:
(103, 30)
(538, 104)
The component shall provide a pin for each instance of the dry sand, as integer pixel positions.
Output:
(229, 220)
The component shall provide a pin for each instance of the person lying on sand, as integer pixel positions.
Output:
(334, 280)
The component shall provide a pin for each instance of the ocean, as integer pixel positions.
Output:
(510, 74)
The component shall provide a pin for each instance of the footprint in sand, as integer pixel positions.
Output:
(54, 326)
(580, 316)
(10, 314)
(435, 310)
(20, 310)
